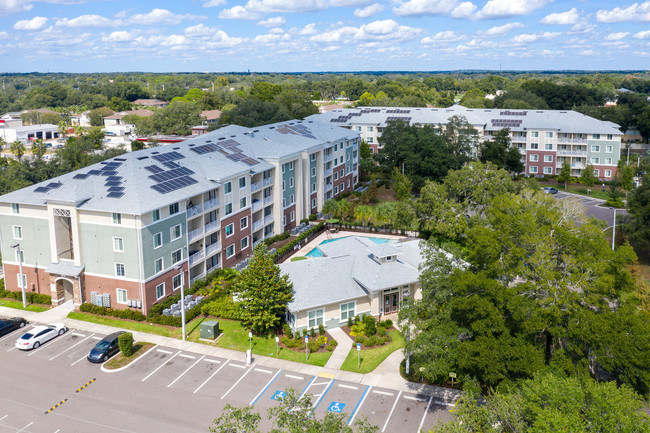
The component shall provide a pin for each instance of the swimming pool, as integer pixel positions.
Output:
(318, 253)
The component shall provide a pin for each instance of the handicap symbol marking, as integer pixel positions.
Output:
(336, 406)
(279, 395)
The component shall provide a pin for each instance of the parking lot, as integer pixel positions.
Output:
(175, 374)
(593, 208)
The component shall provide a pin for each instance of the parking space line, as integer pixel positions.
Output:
(236, 383)
(391, 412)
(78, 360)
(212, 360)
(77, 334)
(408, 397)
(188, 369)
(342, 385)
(164, 351)
(322, 383)
(97, 338)
(206, 380)
(52, 341)
(160, 366)
(306, 388)
(183, 355)
(323, 395)
(23, 429)
(4, 417)
(291, 376)
(359, 403)
(76, 344)
(265, 388)
(261, 370)
(237, 365)
(426, 411)
(390, 394)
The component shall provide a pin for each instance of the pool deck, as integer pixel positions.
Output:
(304, 249)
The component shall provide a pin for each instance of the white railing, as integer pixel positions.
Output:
(257, 205)
(213, 248)
(211, 226)
(209, 204)
(572, 140)
(268, 200)
(328, 186)
(328, 171)
(257, 225)
(194, 210)
(579, 153)
(257, 242)
(215, 267)
(194, 234)
(267, 181)
(328, 157)
(196, 257)
(255, 186)
(578, 165)
(268, 219)
(519, 138)
(198, 277)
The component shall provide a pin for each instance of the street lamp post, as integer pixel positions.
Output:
(250, 340)
(614, 229)
(180, 268)
(20, 267)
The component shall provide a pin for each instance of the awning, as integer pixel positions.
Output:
(65, 269)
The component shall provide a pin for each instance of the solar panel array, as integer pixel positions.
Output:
(512, 113)
(297, 129)
(228, 147)
(404, 119)
(398, 111)
(49, 186)
(113, 182)
(371, 110)
(507, 123)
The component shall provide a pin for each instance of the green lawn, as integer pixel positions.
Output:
(371, 358)
(192, 327)
(596, 191)
(18, 305)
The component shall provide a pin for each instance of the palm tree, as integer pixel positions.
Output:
(385, 212)
(330, 207)
(39, 148)
(18, 149)
(363, 213)
(344, 209)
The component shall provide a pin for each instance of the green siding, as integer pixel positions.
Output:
(286, 176)
(149, 255)
(97, 249)
(349, 160)
(35, 242)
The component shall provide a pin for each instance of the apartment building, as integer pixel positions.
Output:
(545, 138)
(130, 230)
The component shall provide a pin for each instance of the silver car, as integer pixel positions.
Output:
(38, 335)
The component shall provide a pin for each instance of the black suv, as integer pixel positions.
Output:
(105, 348)
(8, 325)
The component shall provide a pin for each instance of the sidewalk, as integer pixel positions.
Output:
(342, 349)
(385, 375)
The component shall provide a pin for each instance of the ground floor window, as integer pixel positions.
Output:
(176, 282)
(315, 318)
(347, 310)
(121, 296)
(160, 291)
(230, 251)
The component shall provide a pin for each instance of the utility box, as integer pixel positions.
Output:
(209, 329)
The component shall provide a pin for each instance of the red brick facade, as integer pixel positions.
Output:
(236, 237)
(540, 163)
(287, 214)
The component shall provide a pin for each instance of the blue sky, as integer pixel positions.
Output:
(321, 35)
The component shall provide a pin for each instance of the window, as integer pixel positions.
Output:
(595, 136)
(230, 251)
(341, 173)
(313, 187)
(532, 169)
(291, 182)
(369, 128)
(534, 134)
(173, 208)
(177, 281)
(609, 148)
(158, 265)
(117, 218)
(242, 202)
(291, 165)
(608, 173)
(160, 291)
(15, 207)
(595, 148)
(336, 161)
(284, 220)
(313, 172)
(119, 270)
(370, 140)
(357, 128)
(244, 243)
(242, 182)
(336, 190)
(118, 245)
(534, 158)
(155, 215)
(548, 146)
(347, 311)
(20, 258)
(230, 229)
(284, 202)
(313, 203)
(177, 256)
(228, 210)
(608, 160)
(548, 170)
(549, 134)
(595, 160)
(548, 158)
(227, 188)
(283, 186)
(18, 232)
(315, 318)
(348, 183)
(610, 137)
(22, 283)
(292, 216)
(336, 175)
(596, 172)
(534, 145)
(292, 199)
(157, 240)
(312, 157)
(175, 232)
(121, 296)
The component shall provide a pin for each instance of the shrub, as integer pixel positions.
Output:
(312, 333)
(304, 220)
(125, 342)
(356, 319)
(291, 343)
(334, 343)
(370, 341)
(313, 346)
(312, 217)
(31, 297)
(304, 332)
(381, 331)
(321, 329)
(350, 322)
(322, 340)
(617, 203)
(286, 330)
(297, 335)
(388, 323)
(223, 307)
(330, 348)
(370, 325)
(120, 314)
(358, 329)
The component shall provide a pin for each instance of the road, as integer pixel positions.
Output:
(54, 389)
(592, 208)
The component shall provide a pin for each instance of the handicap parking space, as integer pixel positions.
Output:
(276, 390)
(341, 398)
(318, 388)
(170, 368)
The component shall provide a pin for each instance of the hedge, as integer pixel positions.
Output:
(300, 238)
(125, 342)
(104, 311)
(32, 298)
(223, 307)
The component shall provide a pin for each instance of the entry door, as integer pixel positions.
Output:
(387, 304)
(391, 303)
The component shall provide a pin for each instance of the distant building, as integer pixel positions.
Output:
(116, 119)
(27, 134)
(545, 138)
(211, 116)
(150, 103)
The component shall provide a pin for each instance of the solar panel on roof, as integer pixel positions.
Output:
(170, 164)
(120, 159)
(41, 189)
(108, 173)
(113, 183)
(115, 194)
(54, 185)
(113, 178)
(115, 188)
(159, 188)
(80, 176)
(153, 168)
(94, 172)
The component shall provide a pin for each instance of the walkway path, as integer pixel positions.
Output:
(342, 348)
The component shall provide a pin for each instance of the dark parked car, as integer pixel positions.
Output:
(8, 325)
(105, 348)
(550, 190)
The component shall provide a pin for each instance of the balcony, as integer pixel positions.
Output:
(257, 225)
(257, 205)
(198, 277)
(328, 172)
(194, 258)
(194, 211)
(328, 157)
(572, 140)
(329, 186)
(210, 204)
(213, 248)
(211, 226)
(268, 219)
(267, 181)
(256, 186)
(519, 138)
(268, 200)
(578, 165)
(214, 268)
(194, 234)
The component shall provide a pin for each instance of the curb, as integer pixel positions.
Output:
(115, 370)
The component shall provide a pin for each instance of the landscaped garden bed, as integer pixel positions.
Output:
(368, 331)
(120, 360)
(317, 342)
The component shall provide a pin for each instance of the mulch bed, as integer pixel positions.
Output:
(347, 330)
(302, 349)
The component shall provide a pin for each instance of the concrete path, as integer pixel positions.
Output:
(342, 349)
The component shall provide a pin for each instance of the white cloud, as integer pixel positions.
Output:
(8, 7)
(238, 13)
(500, 30)
(581, 28)
(213, 3)
(636, 12)
(368, 11)
(425, 7)
(562, 18)
(4, 35)
(509, 8)
(463, 10)
(271, 39)
(199, 30)
(35, 23)
(475, 44)
(309, 29)
(588, 53)
(643, 35)
(273, 22)
(88, 21)
(616, 36)
(349, 3)
(377, 31)
(120, 36)
(276, 6)
(160, 16)
(443, 37)
(525, 38)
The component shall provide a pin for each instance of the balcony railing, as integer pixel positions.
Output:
(328, 172)
(572, 152)
(209, 204)
(213, 248)
(194, 210)
(268, 219)
(578, 165)
(267, 181)
(257, 225)
(328, 157)
(268, 200)
(572, 140)
(519, 138)
(211, 226)
(328, 186)
(199, 255)
(257, 205)
(194, 234)
(198, 277)
(214, 268)
(256, 186)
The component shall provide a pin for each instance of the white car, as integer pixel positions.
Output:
(38, 335)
